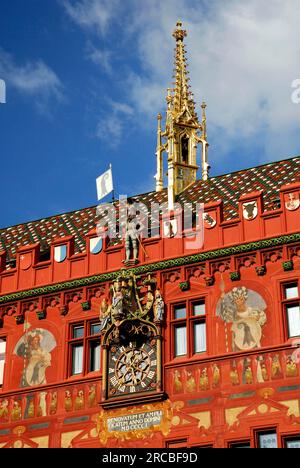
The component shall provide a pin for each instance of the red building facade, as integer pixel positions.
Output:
(195, 346)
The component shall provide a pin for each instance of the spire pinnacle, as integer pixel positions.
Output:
(179, 33)
(182, 98)
(183, 130)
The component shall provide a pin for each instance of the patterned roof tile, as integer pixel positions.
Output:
(228, 187)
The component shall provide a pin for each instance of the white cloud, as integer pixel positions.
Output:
(35, 79)
(92, 13)
(100, 57)
(243, 58)
(121, 107)
(110, 126)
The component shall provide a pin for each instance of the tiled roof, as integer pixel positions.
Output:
(228, 187)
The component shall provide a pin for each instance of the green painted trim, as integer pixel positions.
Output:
(152, 267)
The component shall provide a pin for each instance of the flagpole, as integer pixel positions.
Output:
(113, 190)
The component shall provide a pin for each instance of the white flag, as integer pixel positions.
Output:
(104, 184)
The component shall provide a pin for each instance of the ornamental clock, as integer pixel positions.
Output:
(132, 359)
(132, 368)
(132, 343)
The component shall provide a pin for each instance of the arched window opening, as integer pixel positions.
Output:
(185, 150)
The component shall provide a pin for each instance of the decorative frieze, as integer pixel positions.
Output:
(158, 266)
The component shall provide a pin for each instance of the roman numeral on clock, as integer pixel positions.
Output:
(114, 381)
(151, 374)
(132, 389)
(153, 363)
(111, 370)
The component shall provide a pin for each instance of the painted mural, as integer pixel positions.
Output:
(35, 348)
(244, 310)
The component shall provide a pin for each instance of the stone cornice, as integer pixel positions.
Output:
(153, 267)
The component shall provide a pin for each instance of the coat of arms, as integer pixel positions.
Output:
(250, 210)
(209, 220)
(170, 228)
(292, 201)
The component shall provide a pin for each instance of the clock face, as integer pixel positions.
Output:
(132, 369)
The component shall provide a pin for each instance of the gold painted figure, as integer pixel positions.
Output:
(79, 400)
(216, 376)
(178, 387)
(190, 383)
(16, 412)
(234, 376)
(204, 381)
(92, 396)
(276, 367)
(291, 368)
(4, 409)
(68, 401)
(53, 404)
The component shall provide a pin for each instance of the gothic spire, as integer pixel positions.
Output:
(183, 130)
(182, 97)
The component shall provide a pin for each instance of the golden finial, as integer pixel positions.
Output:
(179, 33)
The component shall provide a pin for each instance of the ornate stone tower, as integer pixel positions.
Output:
(183, 131)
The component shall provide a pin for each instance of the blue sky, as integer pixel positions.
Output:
(86, 78)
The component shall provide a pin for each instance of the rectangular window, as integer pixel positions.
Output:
(94, 356)
(180, 341)
(78, 331)
(177, 444)
(199, 308)
(291, 291)
(2, 358)
(77, 359)
(292, 443)
(293, 318)
(267, 440)
(240, 445)
(95, 328)
(180, 312)
(291, 308)
(199, 337)
(84, 348)
(188, 322)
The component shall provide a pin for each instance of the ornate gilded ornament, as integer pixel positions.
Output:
(131, 337)
(136, 423)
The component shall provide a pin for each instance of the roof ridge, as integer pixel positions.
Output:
(200, 181)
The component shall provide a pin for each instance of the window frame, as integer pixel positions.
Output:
(264, 431)
(3, 338)
(289, 438)
(85, 341)
(234, 443)
(285, 303)
(189, 321)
